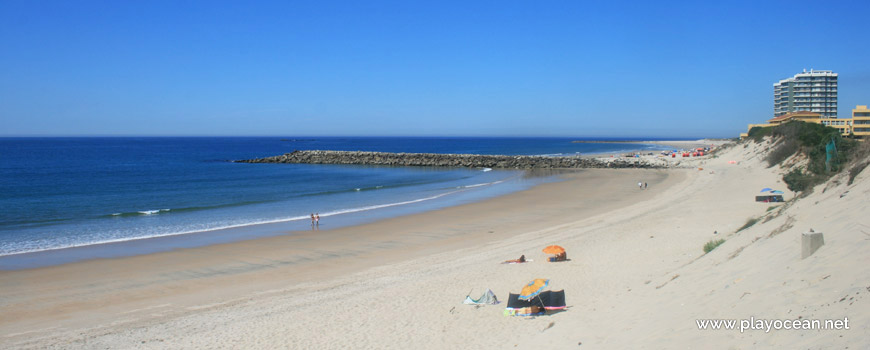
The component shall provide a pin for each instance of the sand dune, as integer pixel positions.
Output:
(637, 278)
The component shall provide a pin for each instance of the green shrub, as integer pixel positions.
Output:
(759, 132)
(810, 139)
(798, 181)
(712, 244)
(748, 224)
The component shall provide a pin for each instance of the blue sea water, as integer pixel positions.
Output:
(59, 193)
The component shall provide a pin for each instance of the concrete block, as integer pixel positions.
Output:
(810, 242)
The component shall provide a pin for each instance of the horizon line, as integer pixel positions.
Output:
(362, 136)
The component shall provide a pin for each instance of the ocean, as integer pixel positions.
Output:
(122, 194)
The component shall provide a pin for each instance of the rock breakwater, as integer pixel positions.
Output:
(448, 160)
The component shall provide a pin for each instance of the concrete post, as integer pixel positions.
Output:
(810, 242)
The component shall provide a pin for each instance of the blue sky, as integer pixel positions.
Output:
(376, 68)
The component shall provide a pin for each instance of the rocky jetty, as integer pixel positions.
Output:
(448, 160)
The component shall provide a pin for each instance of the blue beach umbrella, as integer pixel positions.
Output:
(766, 189)
(776, 192)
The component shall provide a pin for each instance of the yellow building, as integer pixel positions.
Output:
(804, 116)
(861, 121)
(746, 134)
(843, 125)
(858, 125)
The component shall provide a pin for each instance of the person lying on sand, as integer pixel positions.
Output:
(522, 259)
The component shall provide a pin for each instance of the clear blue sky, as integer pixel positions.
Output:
(499, 68)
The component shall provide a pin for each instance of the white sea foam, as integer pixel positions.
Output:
(379, 206)
(486, 169)
(157, 235)
(32, 249)
(152, 212)
(482, 184)
(477, 185)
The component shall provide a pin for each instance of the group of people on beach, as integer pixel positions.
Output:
(563, 256)
(315, 220)
(641, 185)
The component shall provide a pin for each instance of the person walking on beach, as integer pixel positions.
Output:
(312, 220)
(644, 185)
(317, 219)
(640, 185)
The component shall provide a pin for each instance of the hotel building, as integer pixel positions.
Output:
(814, 91)
(811, 97)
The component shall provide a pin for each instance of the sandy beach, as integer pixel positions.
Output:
(637, 275)
(655, 157)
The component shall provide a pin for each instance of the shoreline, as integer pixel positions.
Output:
(343, 218)
(302, 255)
(127, 246)
(19, 245)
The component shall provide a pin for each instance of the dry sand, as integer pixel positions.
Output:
(637, 277)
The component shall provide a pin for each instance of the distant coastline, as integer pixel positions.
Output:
(675, 144)
(609, 141)
(703, 141)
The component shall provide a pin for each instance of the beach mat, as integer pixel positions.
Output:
(514, 302)
(519, 307)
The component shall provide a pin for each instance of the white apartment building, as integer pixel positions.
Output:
(814, 91)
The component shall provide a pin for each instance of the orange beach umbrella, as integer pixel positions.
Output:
(554, 249)
(533, 288)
